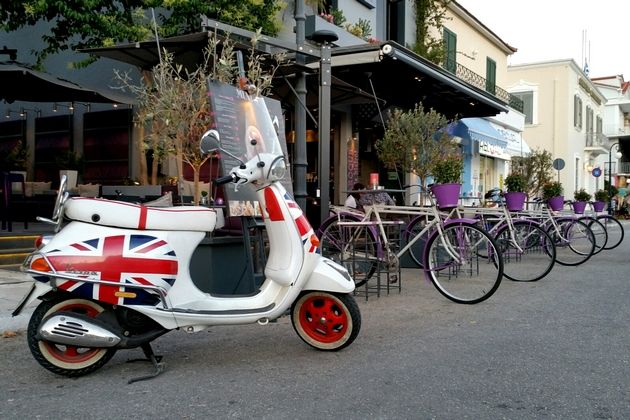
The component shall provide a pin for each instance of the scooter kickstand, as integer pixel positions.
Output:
(156, 361)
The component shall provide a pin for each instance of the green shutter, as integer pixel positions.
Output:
(491, 75)
(450, 47)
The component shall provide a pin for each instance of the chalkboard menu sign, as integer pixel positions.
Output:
(240, 118)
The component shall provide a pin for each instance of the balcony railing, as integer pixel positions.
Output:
(596, 140)
(616, 131)
(476, 80)
(617, 168)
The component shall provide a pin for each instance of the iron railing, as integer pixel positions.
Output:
(617, 168)
(476, 80)
(596, 140)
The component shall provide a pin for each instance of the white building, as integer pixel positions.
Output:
(564, 114)
(616, 124)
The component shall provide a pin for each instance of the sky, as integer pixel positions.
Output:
(544, 30)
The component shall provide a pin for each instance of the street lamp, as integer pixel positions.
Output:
(618, 156)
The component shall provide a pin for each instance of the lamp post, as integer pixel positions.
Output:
(617, 155)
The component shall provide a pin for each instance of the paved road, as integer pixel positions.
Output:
(557, 348)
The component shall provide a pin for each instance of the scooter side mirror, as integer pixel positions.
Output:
(210, 141)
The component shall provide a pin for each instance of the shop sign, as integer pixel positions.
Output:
(486, 148)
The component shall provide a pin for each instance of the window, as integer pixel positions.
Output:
(577, 174)
(396, 21)
(528, 105)
(599, 127)
(577, 112)
(450, 48)
(589, 119)
(107, 146)
(53, 136)
(491, 75)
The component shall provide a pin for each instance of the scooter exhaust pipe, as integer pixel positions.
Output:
(77, 330)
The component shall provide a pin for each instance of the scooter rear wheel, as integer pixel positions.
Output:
(326, 321)
(64, 359)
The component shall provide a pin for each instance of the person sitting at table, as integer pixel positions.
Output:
(380, 197)
(353, 200)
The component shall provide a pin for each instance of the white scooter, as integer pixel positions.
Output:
(117, 276)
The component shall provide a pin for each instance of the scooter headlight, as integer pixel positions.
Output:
(277, 169)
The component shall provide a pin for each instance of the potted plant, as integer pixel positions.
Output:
(553, 194)
(70, 164)
(581, 198)
(601, 198)
(515, 184)
(447, 174)
(16, 162)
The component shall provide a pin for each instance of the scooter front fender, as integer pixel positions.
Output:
(329, 276)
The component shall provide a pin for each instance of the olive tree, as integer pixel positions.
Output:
(174, 104)
(537, 168)
(414, 140)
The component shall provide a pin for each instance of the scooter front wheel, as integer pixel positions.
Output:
(326, 321)
(64, 359)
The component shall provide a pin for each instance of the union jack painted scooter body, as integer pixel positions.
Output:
(117, 276)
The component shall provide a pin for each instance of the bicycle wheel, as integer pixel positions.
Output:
(360, 258)
(416, 251)
(575, 242)
(599, 232)
(529, 255)
(614, 229)
(464, 263)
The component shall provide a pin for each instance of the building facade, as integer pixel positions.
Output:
(616, 127)
(564, 114)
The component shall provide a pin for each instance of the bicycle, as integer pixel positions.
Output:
(574, 240)
(614, 229)
(528, 251)
(597, 227)
(460, 259)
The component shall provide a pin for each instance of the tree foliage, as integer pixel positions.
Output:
(174, 102)
(430, 15)
(78, 24)
(537, 168)
(414, 140)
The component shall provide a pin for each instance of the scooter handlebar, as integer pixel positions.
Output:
(225, 179)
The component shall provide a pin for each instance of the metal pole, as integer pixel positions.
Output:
(300, 163)
(610, 208)
(325, 79)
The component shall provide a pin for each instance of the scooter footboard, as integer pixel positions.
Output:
(331, 277)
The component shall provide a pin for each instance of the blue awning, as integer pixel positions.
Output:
(477, 129)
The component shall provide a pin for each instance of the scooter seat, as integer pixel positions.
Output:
(136, 216)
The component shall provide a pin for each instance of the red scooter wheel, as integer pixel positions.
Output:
(326, 321)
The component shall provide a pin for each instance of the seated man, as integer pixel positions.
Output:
(354, 199)
(381, 197)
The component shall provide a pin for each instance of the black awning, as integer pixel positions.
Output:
(22, 83)
(402, 78)
(186, 49)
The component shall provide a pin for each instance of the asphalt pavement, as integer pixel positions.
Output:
(13, 286)
(555, 348)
